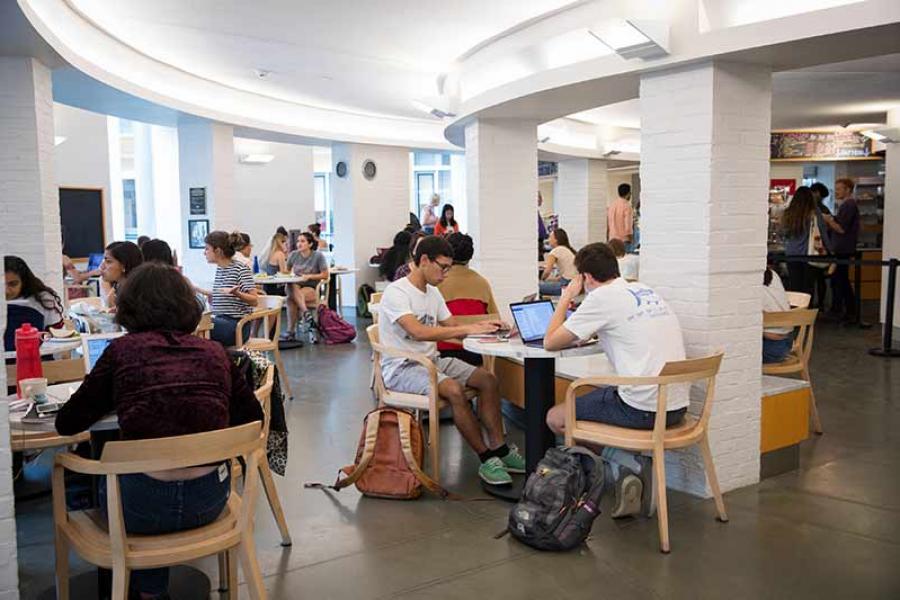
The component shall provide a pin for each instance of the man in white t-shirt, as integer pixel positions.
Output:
(639, 334)
(414, 317)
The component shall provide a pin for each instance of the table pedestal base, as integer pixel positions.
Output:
(185, 583)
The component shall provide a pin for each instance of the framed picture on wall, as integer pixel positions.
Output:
(198, 201)
(198, 229)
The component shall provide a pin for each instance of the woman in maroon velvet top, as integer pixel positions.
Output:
(163, 381)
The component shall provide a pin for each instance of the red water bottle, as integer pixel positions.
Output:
(28, 355)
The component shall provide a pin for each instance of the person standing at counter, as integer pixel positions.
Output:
(844, 228)
(802, 224)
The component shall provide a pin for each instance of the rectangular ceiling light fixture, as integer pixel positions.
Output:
(632, 38)
(256, 159)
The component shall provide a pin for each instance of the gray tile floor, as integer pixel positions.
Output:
(829, 530)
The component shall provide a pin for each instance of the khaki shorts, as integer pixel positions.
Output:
(412, 378)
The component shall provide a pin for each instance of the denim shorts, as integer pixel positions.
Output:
(774, 351)
(604, 405)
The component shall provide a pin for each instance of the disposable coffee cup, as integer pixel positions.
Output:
(34, 389)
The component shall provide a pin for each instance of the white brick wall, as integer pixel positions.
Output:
(367, 213)
(501, 179)
(581, 199)
(29, 201)
(704, 176)
(891, 217)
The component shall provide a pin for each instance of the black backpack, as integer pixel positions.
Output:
(363, 295)
(560, 501)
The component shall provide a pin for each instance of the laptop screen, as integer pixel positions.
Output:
(94, 348)
(532, 318)
(94, 260)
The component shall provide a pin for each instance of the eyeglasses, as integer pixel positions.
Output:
(445, 267)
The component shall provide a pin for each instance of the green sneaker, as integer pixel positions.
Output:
(493, 472)
(514, 462)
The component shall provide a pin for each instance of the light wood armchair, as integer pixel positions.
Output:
(55, 371)
(693, 431)
(267, 317)
(108, 545)
(205, 326)
(803, 320)
(264, 395)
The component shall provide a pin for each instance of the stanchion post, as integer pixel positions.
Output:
(857, 288)
(887, 338)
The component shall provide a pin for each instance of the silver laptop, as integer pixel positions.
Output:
(532, 320)
(93, 345)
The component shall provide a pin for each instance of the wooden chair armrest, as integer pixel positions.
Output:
(418, 358)
(77, 464)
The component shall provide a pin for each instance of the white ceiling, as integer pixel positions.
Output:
(325, 54)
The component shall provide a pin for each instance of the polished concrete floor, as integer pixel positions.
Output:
(829, 530)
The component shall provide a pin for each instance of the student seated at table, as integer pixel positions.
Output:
(466, 293)
(158, 251)
(234, 292)
(29, 300)
(78, 276)
(119, 259)
(312, 267)
(562, 256)
(639, 334)
(244, 251)
(413, 317)
(316, 230)
(777, 341)
(396, 256)
(446, 224)
(628, 263)
(162, 381)
(406, 268)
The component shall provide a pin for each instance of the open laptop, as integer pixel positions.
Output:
(93, 345)
(532, 320)
(94, 260)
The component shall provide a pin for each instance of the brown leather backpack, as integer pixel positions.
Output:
(389, 458)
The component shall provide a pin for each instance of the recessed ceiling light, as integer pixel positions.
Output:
(633, 39)
(57, 140)
(256, 159)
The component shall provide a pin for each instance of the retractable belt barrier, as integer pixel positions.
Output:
(887, 336)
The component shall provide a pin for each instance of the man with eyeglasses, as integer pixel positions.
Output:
(414, 317)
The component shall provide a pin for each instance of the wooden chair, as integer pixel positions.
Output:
(55, 371)
(108, 545)
(264, 395)
(797, 361)
(268, 316)
(692, 431)
(798, 299)
(205, 326)
(430, 403)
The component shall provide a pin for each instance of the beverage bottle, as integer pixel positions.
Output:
(28, 355)
(255, 265)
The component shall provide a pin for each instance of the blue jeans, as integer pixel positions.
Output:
(604, 405)
(774, 351)
(225, 328)
(153, 506)
(553, 288)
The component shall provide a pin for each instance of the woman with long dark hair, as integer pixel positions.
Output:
(234, 291)
(119, 259)
(446, 224)
(802, 228)
(398, 254)
(562, 256)
(40, 305)
(311, 266)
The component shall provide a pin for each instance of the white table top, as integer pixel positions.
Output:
(342, 270)
(514, 348)
(277, 279)
(51, 347)
(60, 392)
(772, 386)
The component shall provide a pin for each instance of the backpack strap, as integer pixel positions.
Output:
(404, 420)
(372, 422)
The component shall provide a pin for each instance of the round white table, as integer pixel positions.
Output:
(276, 279)
(49, 348)
(540, 394)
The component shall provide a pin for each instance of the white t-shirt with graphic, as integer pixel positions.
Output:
(403, 298)
(639, 334)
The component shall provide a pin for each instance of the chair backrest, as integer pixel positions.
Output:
(204, 326)
(55, 371)
(798, 299)
(264, 396)
(269, 316)
(160, 454)
(375, 298)
(322, 289)
(375, 341)
(802, 319)
(688, 371)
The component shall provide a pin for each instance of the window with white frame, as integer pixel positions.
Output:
(322, 197)
(432, 174)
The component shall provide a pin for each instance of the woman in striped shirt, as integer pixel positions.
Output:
(234, 291)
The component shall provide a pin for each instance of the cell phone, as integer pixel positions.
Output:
(48, 408)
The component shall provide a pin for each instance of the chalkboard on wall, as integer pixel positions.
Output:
(82, 221)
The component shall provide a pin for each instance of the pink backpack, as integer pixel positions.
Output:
(333, 328)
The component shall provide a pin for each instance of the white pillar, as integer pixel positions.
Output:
(9, 568)
(367, 213)
(891, 236)
(115, 199)
(704, 178)
(580, 200)
(144, 194)
(501, 197)
(458, 190)
(205, 160)
(29, 199)
(166, 194)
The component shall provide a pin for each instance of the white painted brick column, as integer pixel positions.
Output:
(501, 187)
(206, 159)
(581, 199)
(9, 571)
(29, 200)
(704, 178)
(367, 213)
(891, 235)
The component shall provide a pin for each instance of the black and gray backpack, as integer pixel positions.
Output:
(560, 501)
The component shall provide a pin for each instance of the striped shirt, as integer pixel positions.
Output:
(228, 277)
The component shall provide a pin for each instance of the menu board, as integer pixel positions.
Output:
(819, 145)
